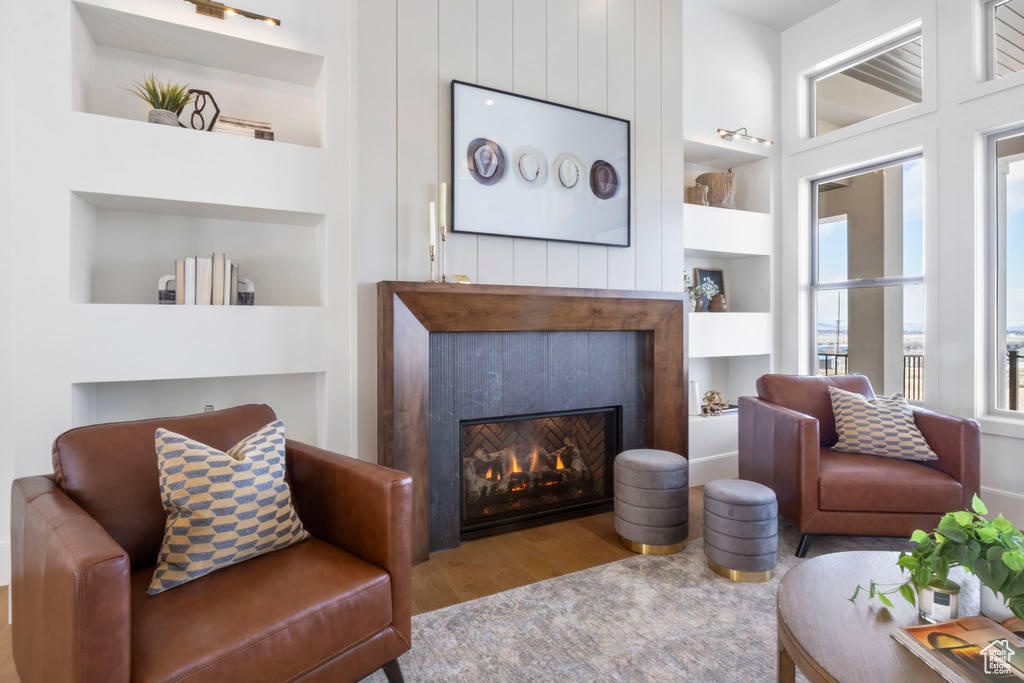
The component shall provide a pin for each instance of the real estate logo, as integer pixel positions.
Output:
(997, 657)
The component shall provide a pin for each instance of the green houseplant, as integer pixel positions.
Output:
(166, 99)
(696, 292)
(992, 550)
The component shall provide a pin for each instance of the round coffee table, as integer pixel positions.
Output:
(832, 639)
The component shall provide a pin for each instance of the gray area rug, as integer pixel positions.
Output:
(644, 618)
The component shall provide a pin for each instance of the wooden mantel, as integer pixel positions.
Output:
(407, 312)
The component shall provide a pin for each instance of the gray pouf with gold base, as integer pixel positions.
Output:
(741, 530)
(652, 501)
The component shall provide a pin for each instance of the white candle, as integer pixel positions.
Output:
(444, 207)
(433, 224)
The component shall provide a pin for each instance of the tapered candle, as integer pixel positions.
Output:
(444, 207)
(433, 224)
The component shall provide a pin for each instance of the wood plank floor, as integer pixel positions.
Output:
(500, 563)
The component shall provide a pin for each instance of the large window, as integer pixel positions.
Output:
(876, 83)
(1007, 254)
(868, 276)
(1004, 20)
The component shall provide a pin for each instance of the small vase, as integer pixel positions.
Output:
(696, 399)
(993, 606)
(718, 304)
(939, 601)
(699, 308)
(163, 117)
(693, 305)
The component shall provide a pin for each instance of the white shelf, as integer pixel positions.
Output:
(714, 335)
(726, 233)
(723, 153)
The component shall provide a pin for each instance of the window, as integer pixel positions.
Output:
(1004, 21)
(1006, 247)
(877, 83)
(867, 277)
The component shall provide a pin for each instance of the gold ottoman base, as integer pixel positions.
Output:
(741, 577)
(646, 549)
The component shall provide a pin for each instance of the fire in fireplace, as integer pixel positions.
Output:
(529, 469)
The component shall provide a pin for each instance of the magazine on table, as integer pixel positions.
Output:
(969, 649)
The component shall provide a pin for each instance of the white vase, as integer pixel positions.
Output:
(163, 117)
(992, 605)
(695, 398)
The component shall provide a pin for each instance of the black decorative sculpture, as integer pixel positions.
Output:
(197, 119)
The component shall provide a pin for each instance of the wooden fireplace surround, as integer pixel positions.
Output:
(407, 312)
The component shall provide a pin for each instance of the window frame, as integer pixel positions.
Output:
(988, 42)
(815, 286)
(859, 58)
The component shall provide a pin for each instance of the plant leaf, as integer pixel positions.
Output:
(885, 600)
(987, 534)
(918, 536)
(978, 506)
(951, 530)
(1014, 560)
(908, 562)
(908, 593)
(855, 593)
(963, 518)
(1001, 524)
(922, 576)
(940, 567)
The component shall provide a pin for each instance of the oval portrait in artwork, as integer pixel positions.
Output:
(604, 181)
(531, 168)
(567, 171)
(486, 161)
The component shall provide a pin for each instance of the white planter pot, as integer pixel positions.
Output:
(992, 605)
(164, 117)
(696, 400)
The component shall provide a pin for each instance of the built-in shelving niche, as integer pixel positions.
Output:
(734, 376)
(753, 172)
(296, 398)
(121, 246)
(248, 78)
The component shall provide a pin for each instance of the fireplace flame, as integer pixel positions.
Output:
(534, 464)
(515, 464)
(559, 465)
(489, 474)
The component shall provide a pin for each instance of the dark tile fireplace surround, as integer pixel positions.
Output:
(523, 426)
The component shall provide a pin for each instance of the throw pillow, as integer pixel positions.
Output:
(879, 426)
(222, 508)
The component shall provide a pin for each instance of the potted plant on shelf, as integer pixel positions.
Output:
(992, 550)
(166, 99)
(696, 293)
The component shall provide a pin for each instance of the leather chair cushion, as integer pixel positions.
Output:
(110, 470)
(268, 619)
(809, 395)
(868, 483)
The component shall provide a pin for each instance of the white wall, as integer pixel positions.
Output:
(6, 309)
(946, 127)
(620, 57)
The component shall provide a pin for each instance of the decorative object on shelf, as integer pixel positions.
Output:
(718, 304)
(721, 188)
(166, 99)
(206, 281)
(695, 293)
(698, 194)
(569, 168)
(939, 601)
(197, 118)
(247, 128)
(711, 282)
(432, 220)
(246, 297)
(714, 404)
(695, 398)
(166, 290)
(991, 550)
(700, 305)
(741, 134)
(219, 10)
(443, 212)
(462, 279)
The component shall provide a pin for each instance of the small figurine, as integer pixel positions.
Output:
(714, 404)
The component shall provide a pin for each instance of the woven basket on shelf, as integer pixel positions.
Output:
(721, 188)
(697, 195)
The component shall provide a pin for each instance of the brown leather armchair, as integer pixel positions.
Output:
(785, 441)
(332, 608)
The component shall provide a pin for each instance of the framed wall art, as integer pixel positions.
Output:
(523, 167)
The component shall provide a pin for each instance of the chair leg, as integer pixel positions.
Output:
(805, 543)
(394, 672)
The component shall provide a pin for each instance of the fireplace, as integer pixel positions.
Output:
(529, 469)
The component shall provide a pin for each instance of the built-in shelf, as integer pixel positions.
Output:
(248, 78)
(734, 376)
(294, 397)
(726, 233)
(747, 279)
(729, 334)
(752, 171)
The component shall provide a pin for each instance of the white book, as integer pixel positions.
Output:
(217, 281)
(190, 281)
(227, 283)
(204, 281)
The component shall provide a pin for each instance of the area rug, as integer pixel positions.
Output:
(644, 618)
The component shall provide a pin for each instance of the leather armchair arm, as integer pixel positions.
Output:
(362, 508)
(778, 447)
(70, 590)
(957, 442)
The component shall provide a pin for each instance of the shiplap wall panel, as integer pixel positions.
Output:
(457, 59)
(621, 103)
(417, 39)
(592, 86)
(563, 263)
(672, 181)
(647, 159)
(495, 54)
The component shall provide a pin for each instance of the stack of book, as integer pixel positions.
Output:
(245, 127)
(200, 281)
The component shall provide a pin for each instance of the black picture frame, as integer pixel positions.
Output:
(717, 276)
(458, 159)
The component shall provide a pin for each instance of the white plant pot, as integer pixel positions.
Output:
(696, 400)
(163, 117)
(992, 605)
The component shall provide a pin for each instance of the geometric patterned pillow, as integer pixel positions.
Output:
(222, 508)
(880, 426)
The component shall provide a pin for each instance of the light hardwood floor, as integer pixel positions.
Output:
(485, 566)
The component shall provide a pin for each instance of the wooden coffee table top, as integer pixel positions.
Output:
(830, 638)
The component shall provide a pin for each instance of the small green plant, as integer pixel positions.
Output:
(693, 290)
(991, 550)
(161, 95)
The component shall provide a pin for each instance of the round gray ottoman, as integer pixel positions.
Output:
(652, 503)
(741, 530)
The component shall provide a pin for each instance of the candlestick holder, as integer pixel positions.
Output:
(444, 253)
(431, 278)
